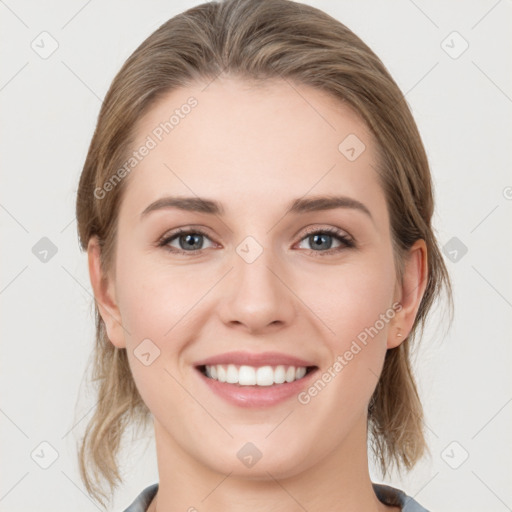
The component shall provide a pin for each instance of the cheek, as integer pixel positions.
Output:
(155, 308)
(158, 308)
(352, 298)
(151, 297)
(357, 306)
(342, 301)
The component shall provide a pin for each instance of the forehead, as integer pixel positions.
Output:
(250, 144)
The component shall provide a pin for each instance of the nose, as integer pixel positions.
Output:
(257, 297)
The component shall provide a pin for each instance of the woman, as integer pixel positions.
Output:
(256, 206)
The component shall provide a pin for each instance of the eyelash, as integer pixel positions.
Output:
(346, 241)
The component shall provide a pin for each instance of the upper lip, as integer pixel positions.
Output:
(251, 359)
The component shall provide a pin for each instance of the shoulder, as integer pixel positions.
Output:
(396, 497)
(143, 500)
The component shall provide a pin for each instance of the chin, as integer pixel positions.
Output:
(255, 460)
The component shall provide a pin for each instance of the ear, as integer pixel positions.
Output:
(104, 294)
(409, 292)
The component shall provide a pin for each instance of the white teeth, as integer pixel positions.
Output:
(251, 376)
(221, 374)
(279, 374)
(265, 376)
(300, 372)
(231, 374)
(246, 376)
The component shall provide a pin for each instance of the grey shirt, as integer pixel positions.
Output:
(386, 494)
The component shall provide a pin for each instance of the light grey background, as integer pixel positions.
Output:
(463, 106)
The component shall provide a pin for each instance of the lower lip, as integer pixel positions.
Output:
(257, 396)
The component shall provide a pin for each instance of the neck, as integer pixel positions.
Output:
(339, 481)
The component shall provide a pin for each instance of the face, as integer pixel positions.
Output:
(262, 274)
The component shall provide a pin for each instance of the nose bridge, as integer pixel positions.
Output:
(257, 296)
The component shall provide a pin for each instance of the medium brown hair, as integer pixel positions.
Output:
(259, 40)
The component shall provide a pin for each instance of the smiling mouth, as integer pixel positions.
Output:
(263, 376)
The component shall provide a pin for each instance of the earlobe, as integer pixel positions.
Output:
(409, 293)
(104, 294)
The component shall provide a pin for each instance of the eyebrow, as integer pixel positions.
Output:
(297, 206)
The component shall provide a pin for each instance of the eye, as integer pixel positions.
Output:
(321, 240)
(188, 240)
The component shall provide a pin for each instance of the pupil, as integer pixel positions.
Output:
(318, 239)
(191, 241)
